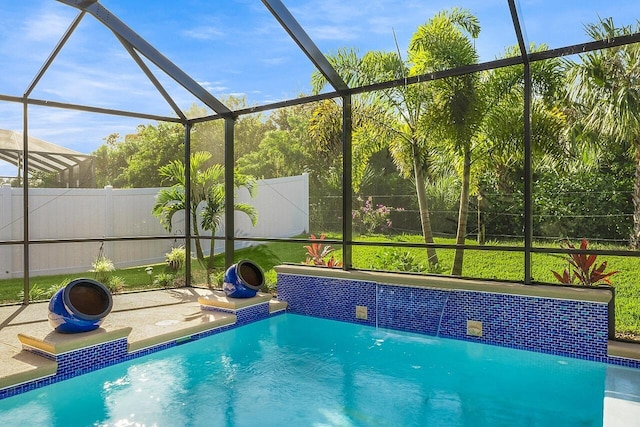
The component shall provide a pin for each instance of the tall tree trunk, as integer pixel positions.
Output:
(212, 245)
(425, 220)
(463, 214)
(635, 236)
(196, 234)
(481, 225)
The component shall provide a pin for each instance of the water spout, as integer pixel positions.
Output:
(442, 314)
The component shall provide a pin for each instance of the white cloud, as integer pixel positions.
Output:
(45, 26)
(203, 33)
(212, 87)
(274, 60)
(329, 32)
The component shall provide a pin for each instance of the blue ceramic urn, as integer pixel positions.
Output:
(81, 306)
(243, 280)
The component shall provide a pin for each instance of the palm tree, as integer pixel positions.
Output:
(499, 142)
(389, 118)
(445, 42)
(605, 90)
(207, 189)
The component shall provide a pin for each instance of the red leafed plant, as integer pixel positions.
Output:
(317, 254)
(582, 269)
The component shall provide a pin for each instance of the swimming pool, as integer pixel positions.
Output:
(304, 371)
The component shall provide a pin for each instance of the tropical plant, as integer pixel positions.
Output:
(217, 279)
(583, 269)
(317, 253)
(498, 154)
(102, 267)
(372, 219)
(455, 107)
(397, 259)
(164, 280)
(176, 257)
(115, 284)
(604, 87)
(388, 119)
(411, 120)
(36, 293)
(207, 190)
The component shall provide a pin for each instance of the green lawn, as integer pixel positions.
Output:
(500, 265)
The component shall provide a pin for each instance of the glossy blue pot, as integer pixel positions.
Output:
(81, 306)
(243, 280)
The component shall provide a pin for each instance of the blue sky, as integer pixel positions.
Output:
(232, 47)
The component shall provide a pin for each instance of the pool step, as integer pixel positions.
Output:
(219, 301)
(624, 350)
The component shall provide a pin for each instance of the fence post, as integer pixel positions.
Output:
(305, 201)
(108, 221)
(6, 231)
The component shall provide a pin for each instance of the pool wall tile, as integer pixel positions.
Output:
(563, 327)
(244, 315)
(328, 297)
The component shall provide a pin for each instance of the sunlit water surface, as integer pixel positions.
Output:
(300, 371)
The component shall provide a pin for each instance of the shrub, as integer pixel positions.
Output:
(164, 280)
(175, 258)
(270, 282)
(372, 219)
(317, 254)
(582, 268)
(217, 279)
(36, 293)
(397, 259)
(102, 267)
(115, 284)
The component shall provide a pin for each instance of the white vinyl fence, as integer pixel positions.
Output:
(71, 213)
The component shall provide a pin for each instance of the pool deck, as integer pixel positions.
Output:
(146, 318)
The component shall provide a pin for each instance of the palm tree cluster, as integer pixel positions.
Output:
(473, 123)
(206, 200)
(467, 128)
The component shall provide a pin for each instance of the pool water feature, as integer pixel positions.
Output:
(299, 370)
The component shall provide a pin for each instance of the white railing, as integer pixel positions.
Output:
(72, 213)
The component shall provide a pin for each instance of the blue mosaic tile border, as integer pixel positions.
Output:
(327, 297)
(244, 315)
(410, 309)
(562, 327)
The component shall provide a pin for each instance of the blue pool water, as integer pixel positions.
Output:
(294, 370)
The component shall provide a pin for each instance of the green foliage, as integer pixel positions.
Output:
(582, 268)
(217, 279)
(115, 284)
(319, 254)
(207, 189)
(164, 280)
(583, 203)
(40, 292)
(175, 258)
(603, 91)
(36, 293)
(370, 218)
(270, 282)
(398, 259)
(134, 161)
(102, 268)
(286, 150)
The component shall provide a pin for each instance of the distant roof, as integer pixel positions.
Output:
(43, 156)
